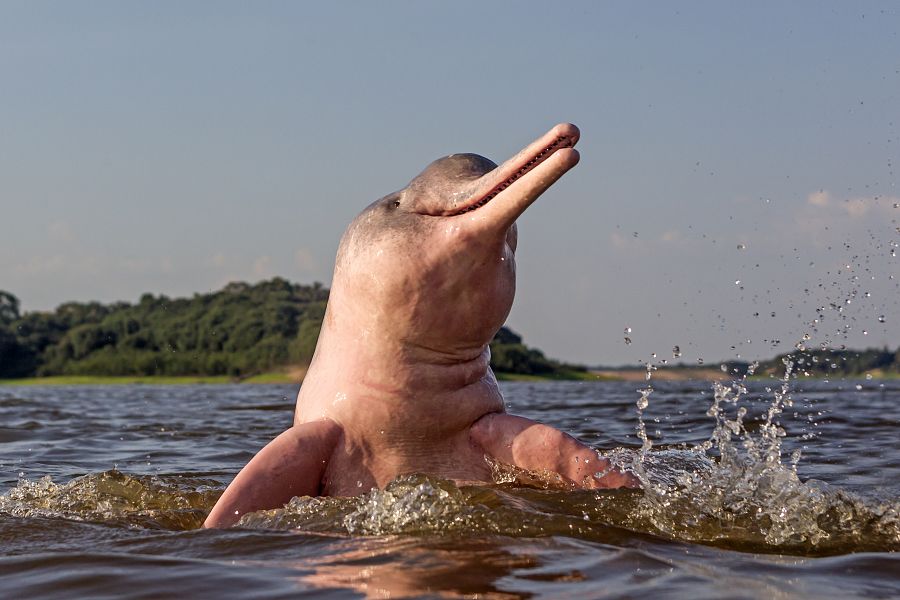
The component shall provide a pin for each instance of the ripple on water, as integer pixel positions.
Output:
(719, 483)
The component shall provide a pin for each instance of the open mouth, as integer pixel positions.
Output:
(564, 141)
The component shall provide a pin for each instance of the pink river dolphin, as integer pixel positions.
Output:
(400, 381)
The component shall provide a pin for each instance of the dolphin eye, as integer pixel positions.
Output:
(391, 201)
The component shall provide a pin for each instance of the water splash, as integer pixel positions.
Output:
(113, 496)
(410, 504)
(735, 489)
(425, 505)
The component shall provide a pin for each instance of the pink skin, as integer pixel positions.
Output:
(400, 381)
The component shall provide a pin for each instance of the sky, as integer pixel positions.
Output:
(736, 195)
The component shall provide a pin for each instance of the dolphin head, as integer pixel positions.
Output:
(433, 265)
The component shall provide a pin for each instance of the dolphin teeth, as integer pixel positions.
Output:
(563, 141)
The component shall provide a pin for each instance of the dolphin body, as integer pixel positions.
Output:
(400, 381)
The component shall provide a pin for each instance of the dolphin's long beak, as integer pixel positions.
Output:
(503, 194)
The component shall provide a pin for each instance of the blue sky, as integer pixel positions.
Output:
(174, 146)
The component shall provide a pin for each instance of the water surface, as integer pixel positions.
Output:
(102, 491)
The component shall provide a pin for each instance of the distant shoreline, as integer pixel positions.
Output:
(635, 374)
(148, 380)
(267, 333)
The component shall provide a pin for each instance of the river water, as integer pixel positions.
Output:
(751, 491)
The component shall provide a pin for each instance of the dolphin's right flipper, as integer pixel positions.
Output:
(534, 446)
(290, 465)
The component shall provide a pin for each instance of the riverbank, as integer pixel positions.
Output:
(147, 380)
(661, 374)
(291, 376)
(635, 374)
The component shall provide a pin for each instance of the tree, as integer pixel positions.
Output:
(16, 360)
(239, 330)
(9, 308)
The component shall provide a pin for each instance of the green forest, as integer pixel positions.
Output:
(836, 362)
(816, 363)
(245, 330)
(239, 331)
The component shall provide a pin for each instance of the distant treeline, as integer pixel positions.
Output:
(239, 331)
(836, 362)
(819, 363)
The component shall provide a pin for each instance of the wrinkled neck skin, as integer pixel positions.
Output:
(416, 349)
(423, 280)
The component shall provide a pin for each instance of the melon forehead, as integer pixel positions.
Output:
(452, 168)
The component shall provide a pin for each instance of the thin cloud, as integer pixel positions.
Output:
(822, 219)
(629, 242)
(858, 207)
(820, 198)
(304, 260)
(43, 265)
(671, 236)
(262, 267)
(218, 260)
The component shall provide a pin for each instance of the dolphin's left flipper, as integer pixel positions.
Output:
(290, 465)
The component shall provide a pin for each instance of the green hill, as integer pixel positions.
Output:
(239, 331)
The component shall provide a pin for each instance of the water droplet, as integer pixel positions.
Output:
(676, 352)
(868, 377)
(865, 332)
(741, 246)
(627, 340)
(858, 386)
(627, 330)
(881, 319)
(737, 282)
